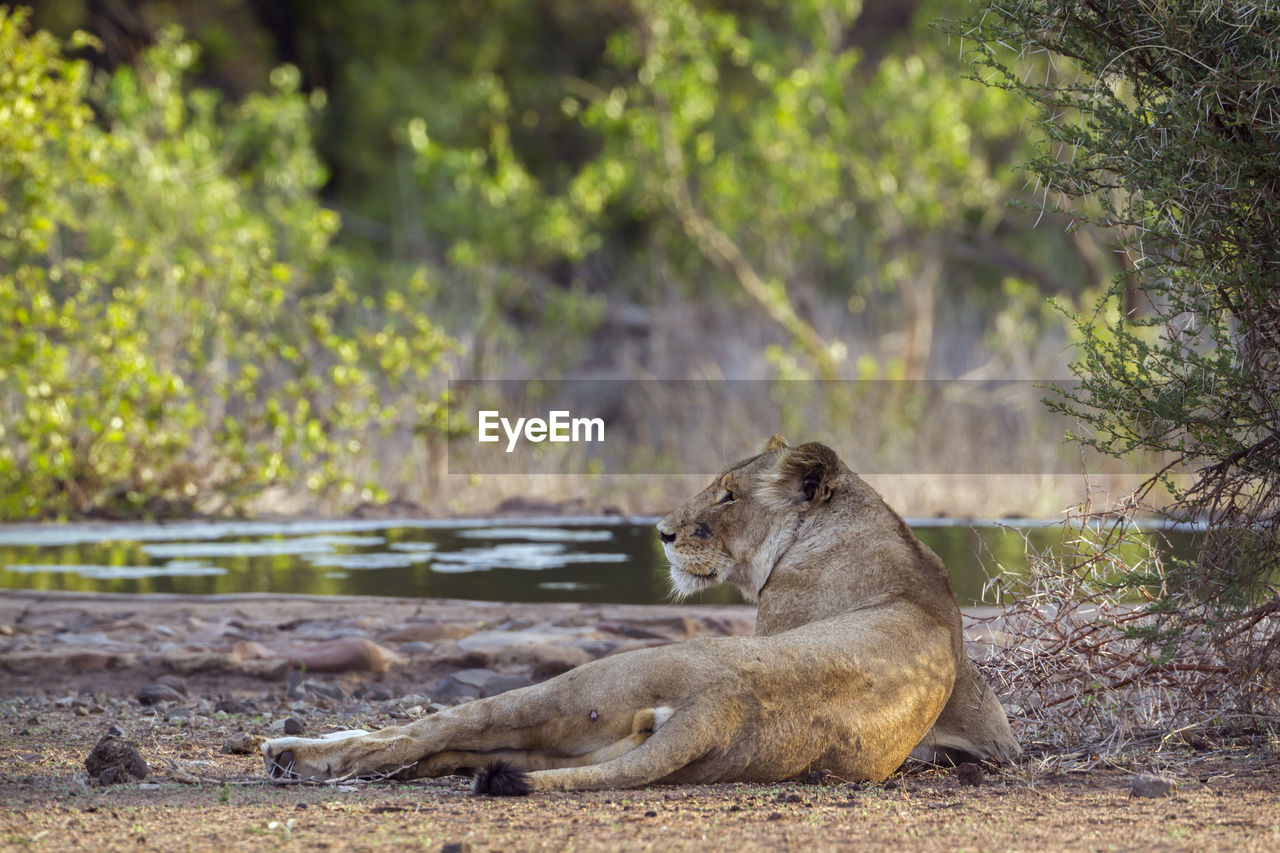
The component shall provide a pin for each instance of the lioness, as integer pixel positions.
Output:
(857, 660)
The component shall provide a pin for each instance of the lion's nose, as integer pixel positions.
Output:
(666, 537)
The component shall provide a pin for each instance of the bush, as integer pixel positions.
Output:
(1163, 115)
(175, 335)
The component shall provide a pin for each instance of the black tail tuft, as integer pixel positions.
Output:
(500, 779)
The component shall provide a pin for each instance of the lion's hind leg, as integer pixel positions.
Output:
(466, 737)
(674, 744)
(643, 725)
(972, 727)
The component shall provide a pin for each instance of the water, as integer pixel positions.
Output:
(557, 559)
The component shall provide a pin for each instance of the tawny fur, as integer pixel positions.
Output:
(857, 660)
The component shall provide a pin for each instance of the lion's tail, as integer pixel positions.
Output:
(501, 779)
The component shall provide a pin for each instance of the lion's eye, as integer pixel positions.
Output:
(727, 499)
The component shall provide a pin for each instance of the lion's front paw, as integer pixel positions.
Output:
(309, 758)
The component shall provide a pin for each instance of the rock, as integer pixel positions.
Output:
(428, 632)
(1142, 785)
(417, 647)
(113, 761)
(820, 777)
(348, 654)
(153, 694)
(293, 726)
(230, 706)
(320, 688)
(277, 726)
(596, 648)
(490, 642)
(97, 638)
(475, 684)
(174, 681)
(456, 847)
(242, 744)
(90, 661)
(246, 650)
(671, 628)
(398, 705)
(178, 713)
(970, 774)
(542, 661)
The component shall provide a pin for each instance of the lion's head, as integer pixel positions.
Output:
(734, 530)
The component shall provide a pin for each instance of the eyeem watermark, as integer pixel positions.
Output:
(557, 426)
(917, 427)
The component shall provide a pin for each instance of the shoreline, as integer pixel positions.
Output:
(115, 643)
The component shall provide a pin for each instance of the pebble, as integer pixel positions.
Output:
(476, 684)
(114, 760)
(292, 726)
(970, 774)
(155, 693)
(242, 744)
(328, 691)
(174, 681)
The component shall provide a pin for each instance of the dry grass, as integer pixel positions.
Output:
(1094, 666)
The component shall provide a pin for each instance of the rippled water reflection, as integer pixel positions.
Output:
(555, 559)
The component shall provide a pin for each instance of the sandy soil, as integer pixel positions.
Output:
(215, 670)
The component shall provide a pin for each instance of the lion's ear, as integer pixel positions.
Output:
(775, 442)
(808, 474)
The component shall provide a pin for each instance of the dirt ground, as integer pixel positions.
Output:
(56, 703)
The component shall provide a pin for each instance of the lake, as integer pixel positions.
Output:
(604, 559)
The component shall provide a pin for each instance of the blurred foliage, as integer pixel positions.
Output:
(175, 336)
(756, 149)
(824, 163)
(543, 178)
